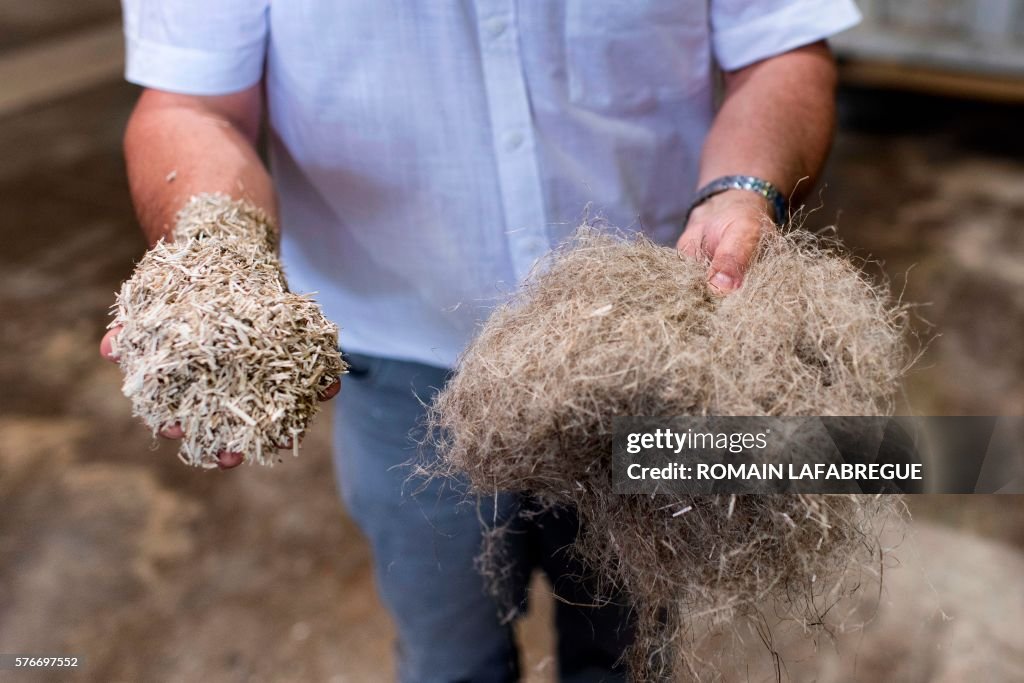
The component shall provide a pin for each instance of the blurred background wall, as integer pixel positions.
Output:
(111, 549)
(956, 47)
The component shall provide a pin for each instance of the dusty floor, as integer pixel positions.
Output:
(111, 549)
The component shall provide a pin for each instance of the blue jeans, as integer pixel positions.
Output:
(426, 536)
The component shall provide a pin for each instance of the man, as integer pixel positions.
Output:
(424, 155)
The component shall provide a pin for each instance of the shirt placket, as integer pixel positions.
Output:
(512, 134)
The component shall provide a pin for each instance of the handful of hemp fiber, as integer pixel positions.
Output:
(212, 340)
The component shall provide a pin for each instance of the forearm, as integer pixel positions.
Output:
(776, 121)
(177, 146)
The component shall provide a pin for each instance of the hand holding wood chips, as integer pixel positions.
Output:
(213, 341)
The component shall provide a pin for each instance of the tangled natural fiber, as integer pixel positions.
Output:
(212, 340)
(608, 327)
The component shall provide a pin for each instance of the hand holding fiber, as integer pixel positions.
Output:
(726, 229)
(612, 327)
(212, 340)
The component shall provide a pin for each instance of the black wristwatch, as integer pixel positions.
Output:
(743, 182)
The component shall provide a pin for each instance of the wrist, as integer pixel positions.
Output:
(733, 201)
(741, 191)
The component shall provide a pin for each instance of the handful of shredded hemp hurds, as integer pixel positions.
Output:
(609, 326)
(212, 340)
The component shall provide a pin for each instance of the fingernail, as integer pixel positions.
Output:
(724, 282)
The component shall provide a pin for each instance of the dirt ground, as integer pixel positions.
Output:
(111, 549)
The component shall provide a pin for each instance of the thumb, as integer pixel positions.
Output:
(732, 256)
(107, 344)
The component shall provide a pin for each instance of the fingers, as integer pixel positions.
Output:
(690, 242)
(107, 344)
(728, 228)
(331, 391)
(732, 255)
(172, 432)
(697, 242)
(692, 248)
(226, 460)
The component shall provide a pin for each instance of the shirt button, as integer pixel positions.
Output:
(513, 141)
(496, 26)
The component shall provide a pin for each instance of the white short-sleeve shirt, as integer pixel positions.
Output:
(426, 154)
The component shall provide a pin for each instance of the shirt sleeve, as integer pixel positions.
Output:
(746, 31)
(195, 47)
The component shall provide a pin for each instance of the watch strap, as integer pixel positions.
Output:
(743, 182)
